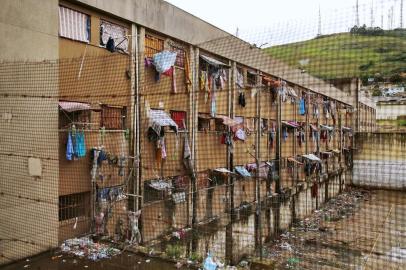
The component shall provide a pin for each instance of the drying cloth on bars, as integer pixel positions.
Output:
(69, 148)
(302, 107)
(164, 61)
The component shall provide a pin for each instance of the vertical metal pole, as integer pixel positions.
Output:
(230, 162)
(134, 111)
(194, 162)
(258, 182)
(141, 84)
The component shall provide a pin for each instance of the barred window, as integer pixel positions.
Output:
(73, 205)
(113, 117)
(153, 45)
(74, 25)
(251, 77)
(115, 31)
(180, 56)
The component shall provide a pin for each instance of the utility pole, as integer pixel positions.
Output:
(372, 14)
(382, 20)
(319, 31)
(357, 14)
(401, 14)
(390, 18)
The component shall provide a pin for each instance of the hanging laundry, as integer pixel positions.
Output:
(213, 108)
(164, 61)
(240, 135)
(110, 46)
(240, 79)
(164, 155)
(93, 172)
(69, 148)
(241, 100)
(121, 165)
(102, 156)
(80, 145)
(203, 80)
(223, 78)
(302, 106)
(188, 81)
(174, 90)
(285, 134)
(272, 135)
(148, 62)
(315, 190)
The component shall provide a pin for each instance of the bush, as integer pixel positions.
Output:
(402, 123)
(174, 251)
(366, 66)
(195, 257)
(376, 93)
(367, 31)
(396, 78)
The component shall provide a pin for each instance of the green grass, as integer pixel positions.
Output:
(345, 55)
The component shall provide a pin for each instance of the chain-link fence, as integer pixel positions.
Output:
(216, 153)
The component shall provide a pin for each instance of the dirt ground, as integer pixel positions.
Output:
(357, 230)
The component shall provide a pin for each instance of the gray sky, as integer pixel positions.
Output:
(282, 21)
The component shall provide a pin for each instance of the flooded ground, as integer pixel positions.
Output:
(359, 230)
(356, 230)
(123, 261)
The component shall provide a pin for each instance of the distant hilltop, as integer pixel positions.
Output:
(364, 52)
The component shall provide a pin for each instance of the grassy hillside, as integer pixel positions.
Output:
(345, 55)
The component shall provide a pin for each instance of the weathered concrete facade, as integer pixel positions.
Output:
(28, 204)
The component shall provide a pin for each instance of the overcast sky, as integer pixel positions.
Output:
(283, 21)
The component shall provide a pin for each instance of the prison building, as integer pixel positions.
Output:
(138, 105)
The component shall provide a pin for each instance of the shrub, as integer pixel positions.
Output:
(174, 251)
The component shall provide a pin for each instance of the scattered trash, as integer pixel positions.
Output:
(286, 246)
(243, 263)
(314, 228)
(26, 266)
(211, 263)
(85, 247)
(147, 261)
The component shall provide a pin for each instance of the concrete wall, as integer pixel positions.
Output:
(390, 111)
(379, 160)
(160, 16)
(28, 205)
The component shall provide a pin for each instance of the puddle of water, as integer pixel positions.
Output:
(123, 261)
(396, 254)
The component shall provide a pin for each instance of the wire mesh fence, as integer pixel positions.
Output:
(215, 154)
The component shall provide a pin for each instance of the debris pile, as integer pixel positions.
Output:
(85, 248)
(291, 247)
(343, 206)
